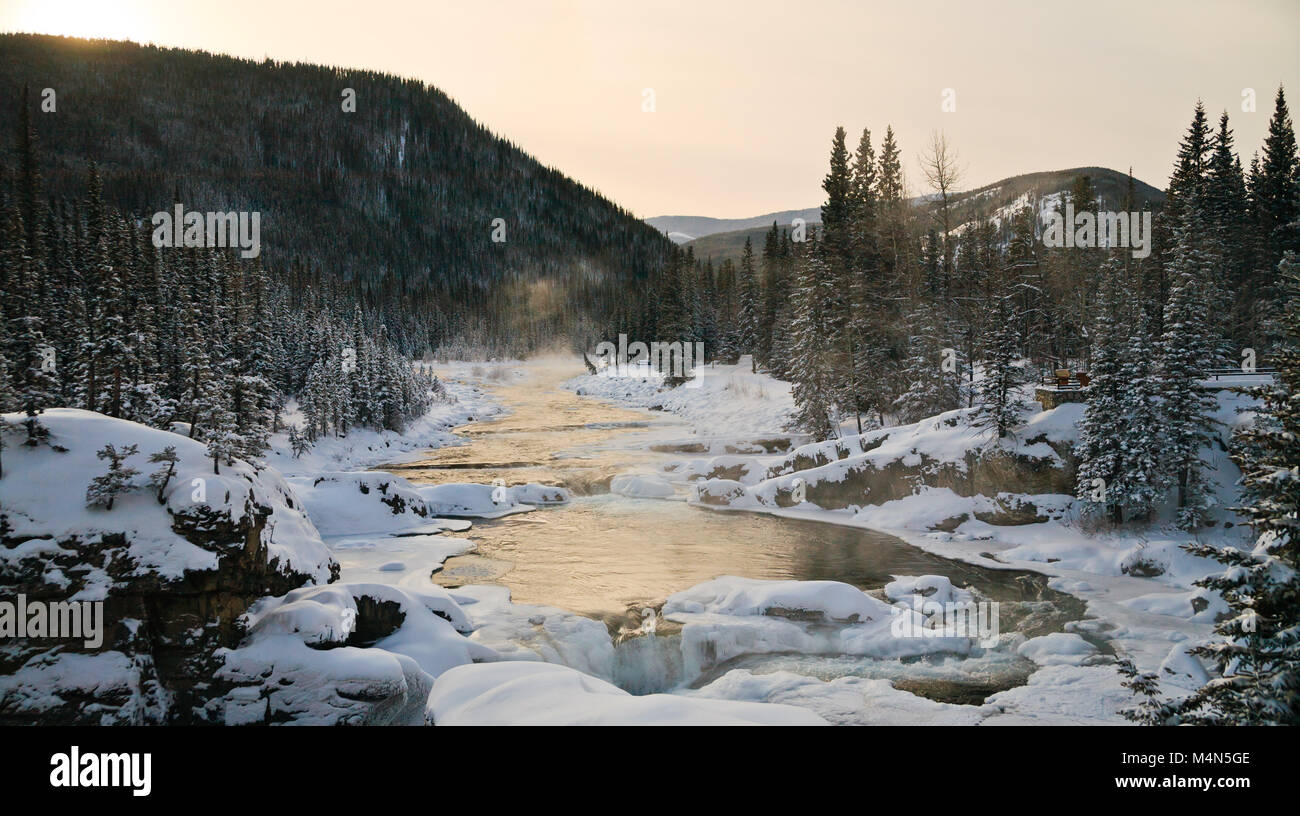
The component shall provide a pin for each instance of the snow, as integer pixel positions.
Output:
(52, 679)
(282, 671)
(360, 502)
(1063, 695)
(729, 400)
(465, 500)
(398, 559)
(364, 447)
(730, 595)
(842, 701)
(915, 591)
(472, 656)
(514, 693)
(535, 632)
(1137, 582)
(1058, 648)
(731, 616)
(44, 494)
(641, 486)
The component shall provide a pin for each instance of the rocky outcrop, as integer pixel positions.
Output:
(890, 464)
(173, 579)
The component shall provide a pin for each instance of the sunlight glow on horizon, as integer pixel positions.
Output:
(90, 19)
(747, 101)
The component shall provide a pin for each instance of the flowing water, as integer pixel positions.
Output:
(610, 557)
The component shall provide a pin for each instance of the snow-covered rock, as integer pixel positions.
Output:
(641, 486)
(842, 701)
(1057, 649)
(466, 500)
(516, 693)
(916, 590)
(730, 616)
(344, 654)
(174, 575)
(350, 503)
(826, 600)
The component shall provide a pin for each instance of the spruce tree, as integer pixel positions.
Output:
(1102, 431)
(928, 388)
(1187, 352)
(1001, 407)
(1257, 651)
(1277, 188)
(811, 335)
(105, 489)
(1142, 477)
(163, 476)
(748, 318)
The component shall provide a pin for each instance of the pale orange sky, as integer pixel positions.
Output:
(747, 94)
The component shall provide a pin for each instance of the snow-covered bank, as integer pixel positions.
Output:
(365, 447)
(223, 572)
(949, 488)
(722, 401)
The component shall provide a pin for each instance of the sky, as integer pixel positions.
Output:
(746, 95)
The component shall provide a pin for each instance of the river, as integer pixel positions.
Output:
(610, 557)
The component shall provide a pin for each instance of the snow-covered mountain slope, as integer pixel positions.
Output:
(996, 201)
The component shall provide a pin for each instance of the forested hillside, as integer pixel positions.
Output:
(397, 199)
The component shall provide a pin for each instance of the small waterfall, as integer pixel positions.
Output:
(646, 661)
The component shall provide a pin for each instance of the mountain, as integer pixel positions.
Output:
(397, 199)
(995, 201)
(684, 228)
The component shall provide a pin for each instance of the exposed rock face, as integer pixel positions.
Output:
(893, 463)
(174, 578)
(876, 480)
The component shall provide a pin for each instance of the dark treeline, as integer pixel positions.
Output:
(94, 316)
(392, 205)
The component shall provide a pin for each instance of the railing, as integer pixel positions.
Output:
(1220, 373)
(1070, 383)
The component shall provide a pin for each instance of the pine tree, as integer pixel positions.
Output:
(1187, 352)
(749, 315)
(861, 386)
(1227, 207)
(1142, 481)
(1277, 188)
(105, 489)
(1001, 407)
(163, 476)
(812, 336)
(1258, 653)
(929, 388)
(298, 442)
(1102, 431)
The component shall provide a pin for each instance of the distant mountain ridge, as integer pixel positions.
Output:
(690, 227)
(722, 238)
